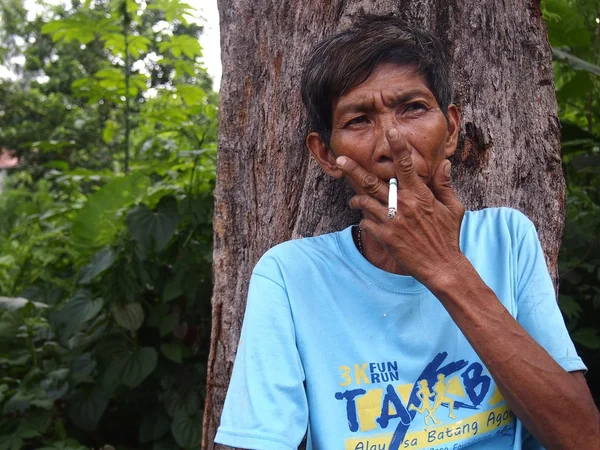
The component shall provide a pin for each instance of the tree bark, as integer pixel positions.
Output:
(269, 190)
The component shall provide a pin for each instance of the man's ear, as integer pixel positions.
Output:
(323, 154)
(453, 131)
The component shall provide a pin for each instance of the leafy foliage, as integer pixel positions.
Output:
(574, 32)
(105, 276)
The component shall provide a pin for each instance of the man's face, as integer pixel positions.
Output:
(393, 96)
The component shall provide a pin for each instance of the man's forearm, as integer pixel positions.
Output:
(554, 406)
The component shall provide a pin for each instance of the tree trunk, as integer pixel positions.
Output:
(269, 190)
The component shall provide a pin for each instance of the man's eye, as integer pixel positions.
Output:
(415, 107)
(357, 120)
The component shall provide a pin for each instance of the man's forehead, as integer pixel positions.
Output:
(392, 79)
(367, 99)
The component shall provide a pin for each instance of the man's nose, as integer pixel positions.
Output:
(383, 152)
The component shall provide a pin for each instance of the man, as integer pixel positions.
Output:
(345, 333)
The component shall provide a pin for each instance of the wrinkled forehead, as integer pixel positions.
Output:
(395, 83)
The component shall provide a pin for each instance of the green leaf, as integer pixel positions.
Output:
(168, 323)
(166, 444)
(172, 352)
(191, 95)
(575, 62)
(172, 288)
(10, 322)
(588, 337)
(157, 312)
(18, 403)
(10, 442)
(25, 431)
(7, 261)
(109, 131)
(148, 227)
(569, 29)
(85, 409)
(576, 88)
(78, 310)
(187, 431)
(130, 315)
(101, 261)
(186, 403)
(182, 44)
(132, 367)
(13, 304)
(154, 426)
(569, 306)
(99, 221)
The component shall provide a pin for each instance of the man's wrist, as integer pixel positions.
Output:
(449, 277)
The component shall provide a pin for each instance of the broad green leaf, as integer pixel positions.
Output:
(13, 304)
(85, 409)
(78, 310)
(173, 9)
(569, 306)
(99, 263)
(569, 29)
(131, 367)
(172, 288)
(157, 312)
(11, 442)
(47, 403)
(183, 67)
(99, 221)
(182, 44)
(109, 131)
(192, 95)
(575, 62)
(172, 352)
(168, 323)
(83, 364)
(588, 337)
(10, 321)
(187, 431)
(18, 403)
(154, 227)
(154, 426)
(78, 28)
(167, 443)
(138, 44)
(7, 261)
(25, 431)
(129, 315)
(186, 403)
(576, 88)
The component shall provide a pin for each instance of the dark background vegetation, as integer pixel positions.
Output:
(105, 226)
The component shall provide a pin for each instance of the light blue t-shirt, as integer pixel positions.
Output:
(370, 360)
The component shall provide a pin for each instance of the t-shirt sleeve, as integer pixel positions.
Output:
(538, 311)
(266, 406)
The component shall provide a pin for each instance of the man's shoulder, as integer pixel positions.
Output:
(496, 220)
(297, 252)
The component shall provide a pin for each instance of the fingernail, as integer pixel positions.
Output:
(447, 168)
(340, 161)
(393, 134)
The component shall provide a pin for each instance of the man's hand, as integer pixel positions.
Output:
(423, 238)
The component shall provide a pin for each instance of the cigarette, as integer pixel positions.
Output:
(393, 198)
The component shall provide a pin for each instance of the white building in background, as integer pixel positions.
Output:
(7, 161)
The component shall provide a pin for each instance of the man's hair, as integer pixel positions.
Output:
(348, 58)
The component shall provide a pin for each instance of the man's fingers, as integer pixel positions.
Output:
(369, 205)
(443, 191)
(367, 182)
(407, 177)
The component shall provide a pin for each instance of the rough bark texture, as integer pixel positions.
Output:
(269, 190)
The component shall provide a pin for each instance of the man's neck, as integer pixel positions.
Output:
(374, 252)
